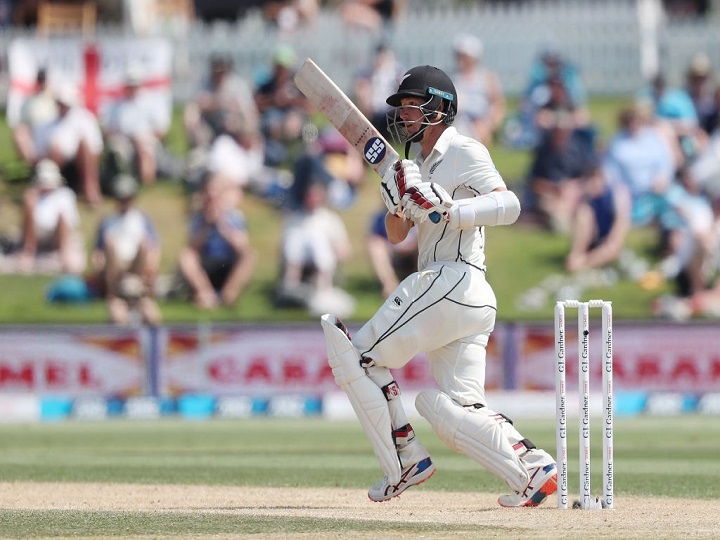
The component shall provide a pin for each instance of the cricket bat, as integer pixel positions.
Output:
(342, 113)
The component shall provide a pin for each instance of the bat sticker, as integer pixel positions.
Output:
(374, 150)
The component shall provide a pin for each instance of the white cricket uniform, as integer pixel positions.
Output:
(446, 309)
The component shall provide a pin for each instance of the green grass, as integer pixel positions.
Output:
(654, 458)
(48, 524)
(519, 257)
(680, 462)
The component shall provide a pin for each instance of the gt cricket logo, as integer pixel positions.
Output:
(374, 150)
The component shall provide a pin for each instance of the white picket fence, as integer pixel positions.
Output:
(601, 38)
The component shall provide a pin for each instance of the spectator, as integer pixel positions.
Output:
(328, 159)
(559, 162)
(554, 84)
(479, 90)
(558, 100)
(688, 236)
(601, 223)
(373, 15)
(704, 303)
(638, 156)
(126, 258)
(314, 244)
(706, 167)
(38, 110)
(218, 261)
(675, 106)
(135, 131)
(373, 83)
(699, 86)
(283, 108)
(289, 15)
(552, 65)
(51, 240)
(711, 124)
(224, 103)
(74, 141)
(238, 155)
(391, 262)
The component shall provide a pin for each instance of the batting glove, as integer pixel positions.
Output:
(396, 182)
(426, 198)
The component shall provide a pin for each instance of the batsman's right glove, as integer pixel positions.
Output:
(396, 182)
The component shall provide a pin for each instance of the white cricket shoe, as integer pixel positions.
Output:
(543, 483)
(412, 475)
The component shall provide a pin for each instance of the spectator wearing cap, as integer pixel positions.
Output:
(134, 130)
(224, 103)
(51, 238)
(126, 257)
(219, 260)
(283, 108)
(74, 141)
(479, 91)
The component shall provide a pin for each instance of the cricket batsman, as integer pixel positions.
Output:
(446, 309)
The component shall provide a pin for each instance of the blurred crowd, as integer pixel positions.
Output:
(658, 170)
(243, 136)
(260, 138)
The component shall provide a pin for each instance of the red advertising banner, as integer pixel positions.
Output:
(72, 362)
(657, 357)
(269, 361)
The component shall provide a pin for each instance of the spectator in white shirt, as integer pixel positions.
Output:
(74, 141)
(135, 128)
(126, 257)
(51, 238)
(315, 243)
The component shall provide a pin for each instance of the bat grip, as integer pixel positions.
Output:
(435, 217)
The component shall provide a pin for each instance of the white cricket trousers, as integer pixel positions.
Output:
(447, 311)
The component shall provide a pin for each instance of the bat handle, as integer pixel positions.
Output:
(435, 217)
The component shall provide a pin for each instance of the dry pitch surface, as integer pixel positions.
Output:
(633, 517)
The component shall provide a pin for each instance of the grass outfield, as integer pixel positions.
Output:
(115, 479)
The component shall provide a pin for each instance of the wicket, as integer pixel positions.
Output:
(583, 309)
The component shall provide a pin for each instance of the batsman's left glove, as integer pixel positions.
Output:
(425, 199)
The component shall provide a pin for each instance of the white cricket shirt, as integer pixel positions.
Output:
(462, 166)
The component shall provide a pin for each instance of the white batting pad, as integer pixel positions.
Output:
(474, 433)
(366, 398)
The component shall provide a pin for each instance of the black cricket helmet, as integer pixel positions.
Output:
(429, 83)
